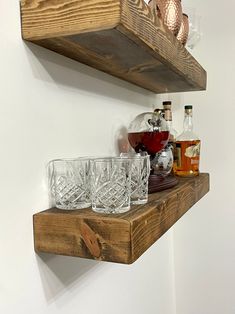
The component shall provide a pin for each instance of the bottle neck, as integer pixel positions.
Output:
(168, 115)
(168, 118)
(169, 124)
(188, 122)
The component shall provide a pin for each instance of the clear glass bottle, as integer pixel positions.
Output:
(173, 132)
(187, 148)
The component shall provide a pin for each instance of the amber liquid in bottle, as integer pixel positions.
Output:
(187, 149)
(187, 155)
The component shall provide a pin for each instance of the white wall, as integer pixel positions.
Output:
(204, 244)
(53, 107)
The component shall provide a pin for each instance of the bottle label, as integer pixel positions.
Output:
(187, 154)
(193, 151)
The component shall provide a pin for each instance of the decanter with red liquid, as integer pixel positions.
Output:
(149, 132)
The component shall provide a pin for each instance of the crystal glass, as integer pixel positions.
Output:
(140, 170)
(110, 181)
(195, 32)
(69, 181)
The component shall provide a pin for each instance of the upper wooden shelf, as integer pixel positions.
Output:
(120, 37)
(116, 238)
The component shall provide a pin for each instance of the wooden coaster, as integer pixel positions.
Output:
(158, 183)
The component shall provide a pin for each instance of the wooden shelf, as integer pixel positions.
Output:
(120, 37)
(116, 238)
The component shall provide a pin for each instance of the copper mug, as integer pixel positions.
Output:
(184, 30)
(170, 11)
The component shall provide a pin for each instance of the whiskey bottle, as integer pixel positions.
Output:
(187, 148)
(168, 118)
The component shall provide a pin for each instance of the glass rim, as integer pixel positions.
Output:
(91, 159)
(68, 160)
(134, 155)
(115, 158)
(80, 158)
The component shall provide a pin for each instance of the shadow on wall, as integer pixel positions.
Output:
(53, 68)
(60, 273)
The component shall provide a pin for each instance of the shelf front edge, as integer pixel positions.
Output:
(163, 212)
(121, 238)
(79, 234)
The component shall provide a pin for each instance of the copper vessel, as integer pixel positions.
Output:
(170, 11)
(184, 30)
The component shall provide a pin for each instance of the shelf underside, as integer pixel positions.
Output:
(116, 238)
(120, 37)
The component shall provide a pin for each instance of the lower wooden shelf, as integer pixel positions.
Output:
(117, 238)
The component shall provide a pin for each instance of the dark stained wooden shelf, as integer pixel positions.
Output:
(120, 37)
(116, 238)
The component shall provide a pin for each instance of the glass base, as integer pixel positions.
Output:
(102, 210)
(139, 202)
(73, 206)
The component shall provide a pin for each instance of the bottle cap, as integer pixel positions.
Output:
(188, 107)
(167, 104)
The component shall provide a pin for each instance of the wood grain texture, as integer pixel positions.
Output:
(172, 207)
(49, 18)
(121, 37)
(142, 26)
(116, 238)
